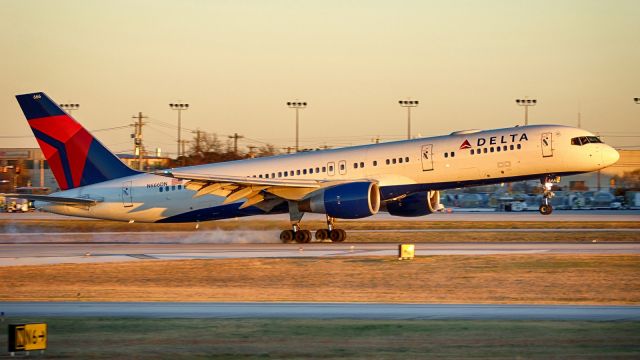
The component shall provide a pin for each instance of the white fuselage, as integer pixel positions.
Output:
(402, 167)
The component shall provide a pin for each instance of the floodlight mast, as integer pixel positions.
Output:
(179, 107)
(297, 105)
(526, 103)
(408, 104)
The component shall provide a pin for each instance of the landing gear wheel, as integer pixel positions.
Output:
(303, 236)
(287, 236)
(337, 235)
(546, 209)
(322, 234)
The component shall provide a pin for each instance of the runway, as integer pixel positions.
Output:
(90, 252)
(321, 311)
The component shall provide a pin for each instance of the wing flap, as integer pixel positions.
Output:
(235, 188)
(242, 180)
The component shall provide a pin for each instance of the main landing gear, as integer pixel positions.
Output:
(304, 236)
(335, 235)
(547, 184)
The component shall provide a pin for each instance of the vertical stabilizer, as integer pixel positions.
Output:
(75, 157)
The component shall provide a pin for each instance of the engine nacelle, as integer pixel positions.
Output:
(417, 204)
(345, 201)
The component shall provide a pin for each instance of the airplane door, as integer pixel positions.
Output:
(331, 169)
(427, 157)
(342, 167)
(127, 194)
(547, 145)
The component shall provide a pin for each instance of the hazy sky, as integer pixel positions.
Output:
(238, 62)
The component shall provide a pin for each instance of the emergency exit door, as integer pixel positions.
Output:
(127, 194)
(547, 144)
(427, 157)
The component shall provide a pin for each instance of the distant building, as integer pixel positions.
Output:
(28, 167)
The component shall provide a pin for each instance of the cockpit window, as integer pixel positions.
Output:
(583, 140)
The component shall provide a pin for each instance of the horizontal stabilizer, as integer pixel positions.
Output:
(53, 199)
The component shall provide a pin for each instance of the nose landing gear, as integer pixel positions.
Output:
(547, 184)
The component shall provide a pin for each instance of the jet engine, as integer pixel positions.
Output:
(416, 204)
(344, 201)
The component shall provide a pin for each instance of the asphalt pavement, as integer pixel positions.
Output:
(91, 252)
(320, 311)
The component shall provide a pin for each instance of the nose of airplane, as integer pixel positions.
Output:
(610, 156)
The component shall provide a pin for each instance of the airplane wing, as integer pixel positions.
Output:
(253, 189)
(53, 199)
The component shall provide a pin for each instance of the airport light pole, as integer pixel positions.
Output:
(408, 104)
(297, 105)
(70, 107)
(179, 107)
(526, 103)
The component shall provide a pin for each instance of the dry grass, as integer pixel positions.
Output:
(542, 279)
(370, 234)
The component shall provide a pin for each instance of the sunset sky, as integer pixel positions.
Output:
(238, 62)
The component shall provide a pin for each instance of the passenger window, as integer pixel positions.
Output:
(491, 149)
(387, 161)
(400, 160)
(498, 148)
(279, 173)
(286, 174)
(519, 146)
(393, 161)
(453, 154)
(297, 172)
(304, 171)
(341, 166)
(317, 170)
(406, 159)
(446, 155)
(472, 151)
(324, 169)
(179, 187)
(330, 168)
(485, 150)
(355, 165)
(161, 189)
(504, 148)
(361, 164)
(511, 147)
(310, 170)
(375, 163)
(166, 188)
(173, 188)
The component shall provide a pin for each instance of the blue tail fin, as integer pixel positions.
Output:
(75, 157)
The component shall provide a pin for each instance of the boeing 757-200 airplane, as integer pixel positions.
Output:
(402, 178)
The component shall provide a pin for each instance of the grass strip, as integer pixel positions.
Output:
(107, 338)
